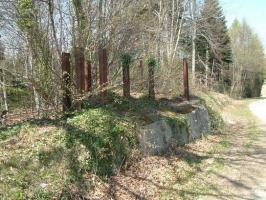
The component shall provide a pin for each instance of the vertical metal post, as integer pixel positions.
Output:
(65, 60)
(126, 81)
(103, 71)
(151, 82)
(79, 68)
(185, 78)
(87, 77)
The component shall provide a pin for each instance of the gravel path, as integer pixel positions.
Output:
(259, 109)
(244, 176)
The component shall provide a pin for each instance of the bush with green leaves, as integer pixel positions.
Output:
(151, 62)
(107, 138)
(126, 60)
(217, 122)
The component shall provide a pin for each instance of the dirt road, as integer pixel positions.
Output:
(258, 108)
(245, 174)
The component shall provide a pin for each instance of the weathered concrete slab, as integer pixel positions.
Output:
(180, 134)
(182, 108)
(199, 123)
(155, 138)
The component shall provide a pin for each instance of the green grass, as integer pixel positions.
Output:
(107, 137)
(18, 98)
(252, 135)
(44, 159)
(225, 143)
(252, 130)
(214, 107)
(63, 153)
(10, 131)
(243, 112)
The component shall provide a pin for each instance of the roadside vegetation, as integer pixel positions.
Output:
(68, 158)
(79, 78)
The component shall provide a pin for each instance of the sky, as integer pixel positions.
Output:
(253, 11)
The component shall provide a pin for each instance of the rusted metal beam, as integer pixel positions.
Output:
(151, 82)
(126, 81)
(186, 79)
(79, 69)
(65, 60)
(103, 72)
(87, 77)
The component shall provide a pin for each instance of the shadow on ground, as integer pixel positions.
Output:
(185, 172)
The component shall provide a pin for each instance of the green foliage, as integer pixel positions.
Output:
(253, 85)
(132, 106)
(25, 15)
(18, 195)
(247, 89)
(97, 141)
(151, 62)
(41, 194)
(9, 132)
(217, 31)
(217, 122)
(38, 43)
(216, 50)
(19, 98)
(106, 137)
(126, 60)
(76, 3)
(249, 61)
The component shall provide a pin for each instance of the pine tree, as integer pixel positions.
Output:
(214, 38)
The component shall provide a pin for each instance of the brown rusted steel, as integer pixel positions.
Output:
(103, 72)
(65, 59)
(79, 69)
(186, 79)
(126, 81)
(88, 77)
(85, 86)
(151, 82)
(141, 69)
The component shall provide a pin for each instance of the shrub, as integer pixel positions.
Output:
(126, 59)
(107, 139)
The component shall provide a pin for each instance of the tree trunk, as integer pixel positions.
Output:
(206, 68)
(2, 79)
(35, 93)
(194, 32)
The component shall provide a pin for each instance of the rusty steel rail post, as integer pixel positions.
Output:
(103, 72)
(126, 81)
(65, 60)
(186, 79)
(79, 69)
(87, 77)
(151, 82)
